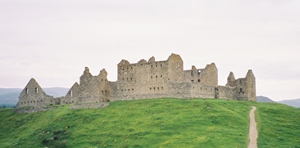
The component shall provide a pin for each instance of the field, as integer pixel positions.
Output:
(153, 123)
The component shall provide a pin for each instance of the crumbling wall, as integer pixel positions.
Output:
(251, 86)
(175, 68)
(34, 96)
(231, 82)
(226, 92)
(89, 88)
(209, 76)
(144, 80)
(193, 75)
(72, 95)
(199, 90)
(94, 89)
(141, 79)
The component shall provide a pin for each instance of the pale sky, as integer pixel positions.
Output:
(52, 41)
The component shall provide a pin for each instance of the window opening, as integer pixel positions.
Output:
(241, 90)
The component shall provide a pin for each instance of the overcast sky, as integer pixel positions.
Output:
(53, 41)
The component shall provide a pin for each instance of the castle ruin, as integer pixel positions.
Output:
(145, 80)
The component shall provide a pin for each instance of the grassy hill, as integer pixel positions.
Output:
(153, 123)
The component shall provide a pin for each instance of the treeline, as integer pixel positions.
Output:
(7, 106)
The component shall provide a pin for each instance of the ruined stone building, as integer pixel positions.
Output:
(146, 80)
(34, 96)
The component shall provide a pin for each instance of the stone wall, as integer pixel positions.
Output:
(72, 95)
(143, 80)
(160, 79)
(34, 96)
(226, 92)
(30, 109)
(89, 105)
(251, 86)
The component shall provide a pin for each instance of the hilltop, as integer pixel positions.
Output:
(153, 123)
(263, 99)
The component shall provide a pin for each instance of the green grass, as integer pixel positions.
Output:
(279, 125)
(152, 123)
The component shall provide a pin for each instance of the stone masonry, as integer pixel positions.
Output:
(146, 80)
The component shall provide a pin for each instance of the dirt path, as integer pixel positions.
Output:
(252, 131)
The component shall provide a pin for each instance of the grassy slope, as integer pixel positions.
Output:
(279, 125)
(152, 123)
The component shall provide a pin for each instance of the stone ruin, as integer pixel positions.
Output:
(143, 80)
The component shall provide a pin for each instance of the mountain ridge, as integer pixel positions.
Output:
(10, 96)
(292, 102)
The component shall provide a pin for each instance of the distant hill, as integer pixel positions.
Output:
(10, 96)
(294, 102)
(56, 91)
(263, 99)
